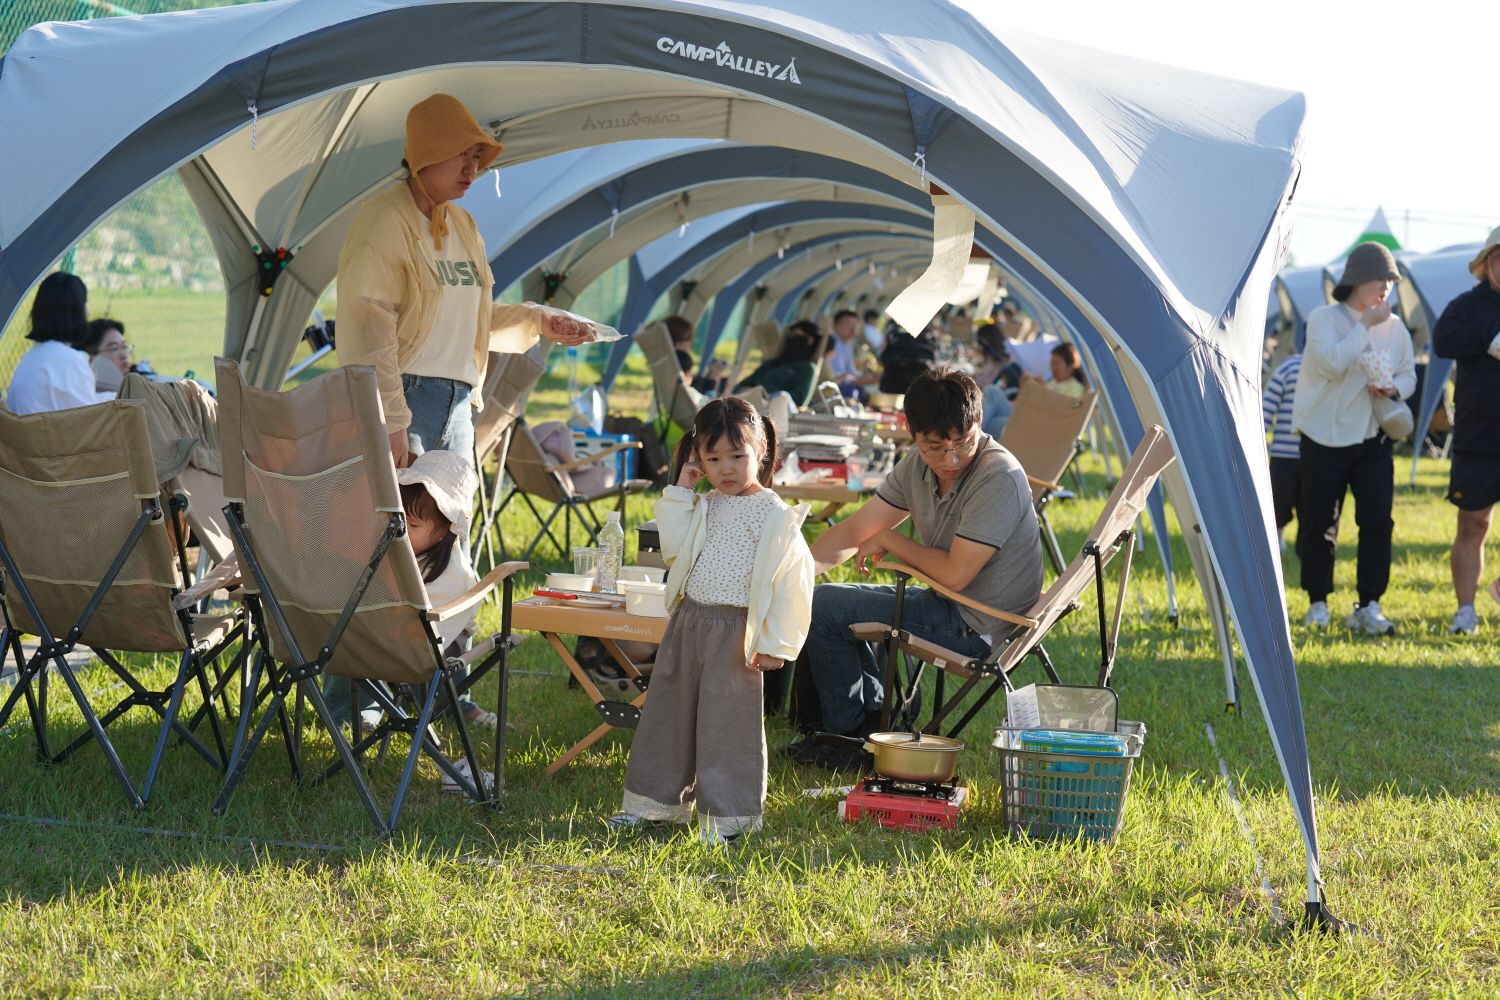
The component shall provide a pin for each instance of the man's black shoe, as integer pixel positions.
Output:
(835, 753)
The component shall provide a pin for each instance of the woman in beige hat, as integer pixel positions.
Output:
(1357, 351)
(1469, 332)
(415, 288)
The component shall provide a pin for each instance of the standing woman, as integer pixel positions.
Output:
(54, 374)
(1343, 447)
(415, 283)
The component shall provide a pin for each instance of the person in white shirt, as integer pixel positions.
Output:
(873, 336)
(54, 374)
(1356, 352)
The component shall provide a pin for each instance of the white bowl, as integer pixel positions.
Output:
(569, 581)
(645, 574)
(646, 603)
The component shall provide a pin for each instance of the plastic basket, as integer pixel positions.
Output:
(1059, 796)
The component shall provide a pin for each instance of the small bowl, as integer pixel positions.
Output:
(646, 603)
(645, 574)
(570, 581)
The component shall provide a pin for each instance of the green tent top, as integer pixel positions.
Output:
(1378, 230)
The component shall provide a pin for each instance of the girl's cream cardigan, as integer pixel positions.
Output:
(781, 581)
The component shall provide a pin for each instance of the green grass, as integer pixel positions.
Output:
(541, 900)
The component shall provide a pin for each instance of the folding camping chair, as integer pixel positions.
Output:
(536, 475)
(508, 382)
(1042, 433)
(1112, 534)
(676, 401)
(87, 549)
(318, 525)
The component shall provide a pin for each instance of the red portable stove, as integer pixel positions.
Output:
(905, 805)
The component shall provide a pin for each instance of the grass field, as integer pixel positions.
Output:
(541, 900)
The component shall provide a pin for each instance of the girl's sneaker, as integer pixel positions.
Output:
(1465, 621)
(462, 767)
(1317, 615)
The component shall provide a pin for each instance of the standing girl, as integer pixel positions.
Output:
(740, 593)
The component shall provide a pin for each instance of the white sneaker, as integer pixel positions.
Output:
(1317, 615)
(462, 767)
(1368, 619)
(1465, 621)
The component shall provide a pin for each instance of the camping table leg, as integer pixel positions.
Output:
(826, 514)
(588, 741)
(587, 683)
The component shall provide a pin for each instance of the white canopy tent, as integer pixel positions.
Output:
(1152, 199)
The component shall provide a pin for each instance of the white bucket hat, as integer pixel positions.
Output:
(1476, 266)
(450, 480)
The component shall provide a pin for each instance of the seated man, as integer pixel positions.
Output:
(971, 504)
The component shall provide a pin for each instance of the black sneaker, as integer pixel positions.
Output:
(827, 750)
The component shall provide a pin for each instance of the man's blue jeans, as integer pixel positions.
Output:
(843, 668)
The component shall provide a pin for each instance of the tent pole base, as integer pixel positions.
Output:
(1319, 918)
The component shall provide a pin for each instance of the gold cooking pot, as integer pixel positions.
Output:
(914, 756)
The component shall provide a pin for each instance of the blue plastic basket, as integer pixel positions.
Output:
(1048, 795)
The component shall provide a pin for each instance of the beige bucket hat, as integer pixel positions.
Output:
(1476, 266)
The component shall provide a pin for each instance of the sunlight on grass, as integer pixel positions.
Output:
(1403, 735)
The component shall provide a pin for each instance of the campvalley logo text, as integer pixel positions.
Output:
(724, 57)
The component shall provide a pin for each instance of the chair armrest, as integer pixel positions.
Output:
(476, 593)
(953, 595)
(591, 459)
(1034, 481)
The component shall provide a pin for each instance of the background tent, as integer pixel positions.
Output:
(1152, 197)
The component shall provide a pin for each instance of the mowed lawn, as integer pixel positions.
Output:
(541, 900)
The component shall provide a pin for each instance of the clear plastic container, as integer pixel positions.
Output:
(586, 561)
(611, 552)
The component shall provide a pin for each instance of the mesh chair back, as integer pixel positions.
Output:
(676, 399)
(1043, 431)
(1122, 508)
(530, 468)
(508, 382)
(71, 487)
(312, 468)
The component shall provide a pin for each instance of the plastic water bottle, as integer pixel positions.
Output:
(572, 374)
(611, 552)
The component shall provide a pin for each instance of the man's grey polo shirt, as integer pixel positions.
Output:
(990, 504)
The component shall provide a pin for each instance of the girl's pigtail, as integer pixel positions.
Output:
(682, 455)
(768, 463)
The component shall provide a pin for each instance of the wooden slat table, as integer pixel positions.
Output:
(610, 626)
(835, 497)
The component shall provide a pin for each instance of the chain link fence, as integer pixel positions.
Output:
(150, 264)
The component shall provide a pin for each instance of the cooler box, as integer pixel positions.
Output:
(589, 443)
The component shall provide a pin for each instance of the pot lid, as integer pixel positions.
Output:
(914, 741)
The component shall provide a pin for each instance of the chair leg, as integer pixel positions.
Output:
(418, 738)
(105, 746)
(464, 738)
(184, 671)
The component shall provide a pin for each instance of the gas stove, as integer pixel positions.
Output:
(905, 805)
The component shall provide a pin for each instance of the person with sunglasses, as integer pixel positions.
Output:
(971, 505)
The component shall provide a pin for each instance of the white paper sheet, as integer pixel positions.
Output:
(952, 242)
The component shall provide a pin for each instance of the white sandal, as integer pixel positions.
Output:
(462, 767)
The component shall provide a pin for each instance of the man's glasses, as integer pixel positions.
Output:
(962, 451)
(118, 349)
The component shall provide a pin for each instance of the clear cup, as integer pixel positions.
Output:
(586, 562)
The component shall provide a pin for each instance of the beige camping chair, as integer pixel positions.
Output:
(317, 521)
(86, 545)
(1112, 533)
(1042, 433)
(508, 382)
(537, 477)
(676, 401)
